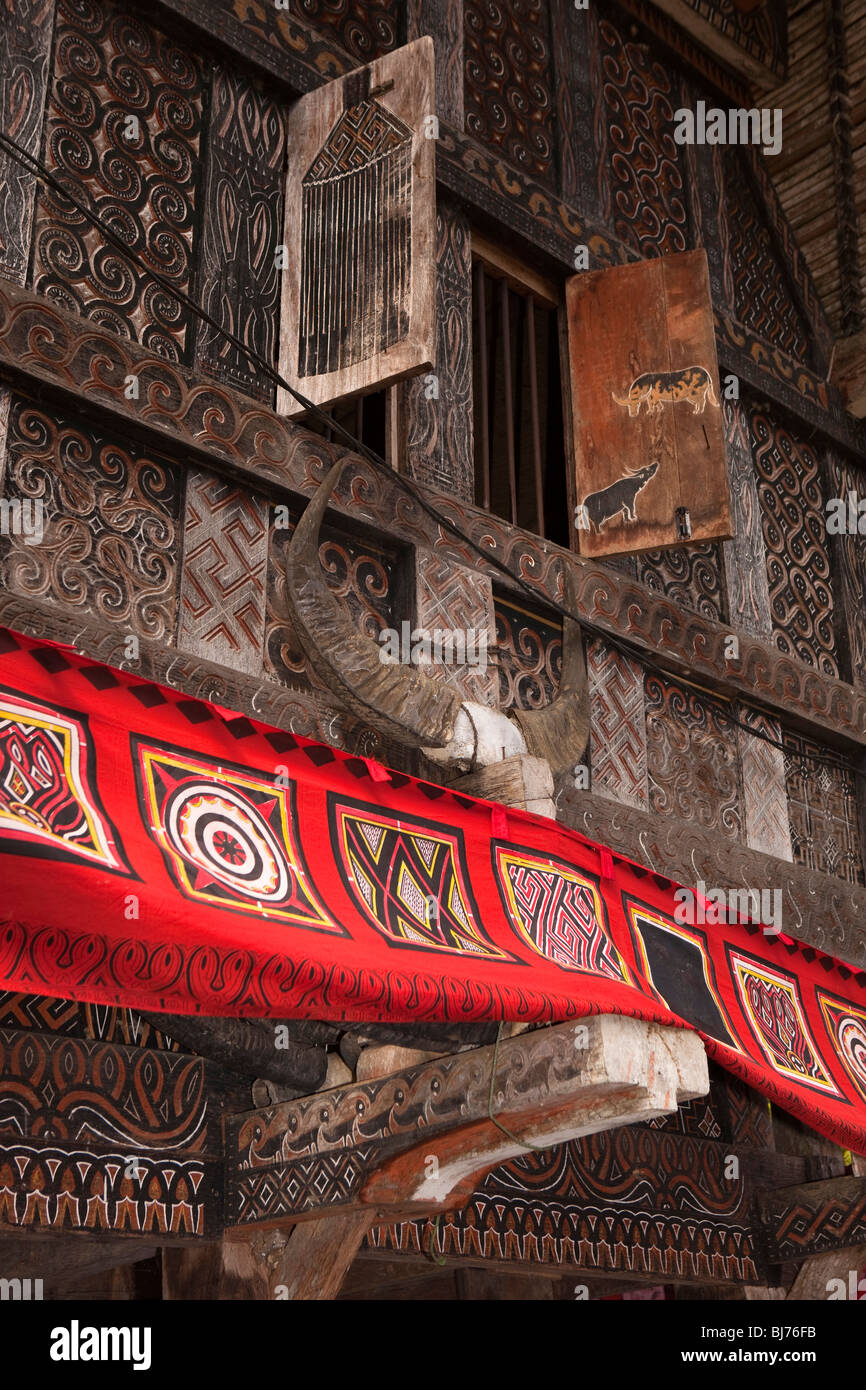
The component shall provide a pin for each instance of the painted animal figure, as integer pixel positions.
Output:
(692, 384)
(621, 496)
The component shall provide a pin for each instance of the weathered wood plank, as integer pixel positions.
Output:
(358, 288)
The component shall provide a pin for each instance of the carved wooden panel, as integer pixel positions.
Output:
(639, 163)
(690, 575)
(84, 1092)
(111, 65)
(67, 1017)
(358, 291)
(609, 1202)
(694, 772)
(748, 593)
(822, 806)
(648, 444)
(242, 221)
(509, 98)
(224, 575)
(617, 729)
(439, 433)
(846, 479)
(763, 299)
(111, 535)
(765, 802)
(45, 344)
(365, 31)
(443, 21)
(793, 519)
(25, 45)
(452, 598)
(529, 654)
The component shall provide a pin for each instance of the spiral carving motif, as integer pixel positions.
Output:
(111, 515)
(641, 178)
(124, 119)
(508, 96)
(692, 758)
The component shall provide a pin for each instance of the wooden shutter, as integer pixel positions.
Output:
(648, 439)
(358, 300)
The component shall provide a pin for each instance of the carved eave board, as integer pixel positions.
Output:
(358, 298)
(648, 439)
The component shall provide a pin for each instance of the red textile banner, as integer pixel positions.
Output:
(163, 854)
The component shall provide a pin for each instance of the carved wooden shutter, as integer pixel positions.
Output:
(648, 438)
(359, 285)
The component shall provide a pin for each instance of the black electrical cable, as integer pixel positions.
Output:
(39, 170)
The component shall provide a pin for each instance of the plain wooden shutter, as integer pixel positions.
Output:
(358, 300)
(648, 439)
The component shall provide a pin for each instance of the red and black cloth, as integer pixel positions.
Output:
(162, 854)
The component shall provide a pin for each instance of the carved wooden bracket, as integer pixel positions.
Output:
(417, 1141)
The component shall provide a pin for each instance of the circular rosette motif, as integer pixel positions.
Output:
(224, 835)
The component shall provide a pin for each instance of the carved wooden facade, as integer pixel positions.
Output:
(169, 507)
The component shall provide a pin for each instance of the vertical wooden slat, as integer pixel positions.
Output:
(536, 429)
(505, 335)
(484, 413)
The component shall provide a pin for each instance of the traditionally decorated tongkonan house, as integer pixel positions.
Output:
(432, 650)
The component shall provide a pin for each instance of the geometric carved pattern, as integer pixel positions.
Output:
(110, 547)
(633, 1200)
(692, 759)
(439, 430)
(846, 478)
(795, 537)
(818, 1216)
(617, 725)
(307, 1183)
(508, 97)
(225, 553)
(110, 65)
(529, 652)
(639, 167)
(765, 801)
(70, 1090)
(452, 597)
(763, 297)
(46, 1188)
(748, 605)
(242, 222)
(822, 807)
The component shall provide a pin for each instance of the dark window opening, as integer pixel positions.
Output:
(520, 467)
(364, 417)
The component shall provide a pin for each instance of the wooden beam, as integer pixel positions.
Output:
(821, 1275)
(813, 1218)
(419, 1139)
